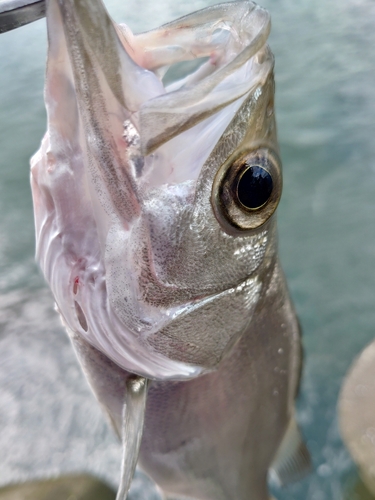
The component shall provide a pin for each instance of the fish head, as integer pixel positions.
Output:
(155, 203)
(205, 244)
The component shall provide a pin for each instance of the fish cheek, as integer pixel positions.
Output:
(204, 333)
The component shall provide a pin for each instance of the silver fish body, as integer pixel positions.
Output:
(164, 271)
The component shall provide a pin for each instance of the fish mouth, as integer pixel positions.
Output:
(196, 109)
(116, 77)
(232, 36)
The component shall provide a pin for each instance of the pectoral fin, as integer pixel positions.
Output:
(292, 460)
(133, 418)
(123, 397)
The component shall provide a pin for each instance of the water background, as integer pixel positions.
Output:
(325, 72)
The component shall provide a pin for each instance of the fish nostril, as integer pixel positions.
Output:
(81, 316)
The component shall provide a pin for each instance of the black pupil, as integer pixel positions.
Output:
(255, 187)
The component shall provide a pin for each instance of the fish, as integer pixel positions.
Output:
(155, 201)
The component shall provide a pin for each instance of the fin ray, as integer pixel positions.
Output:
(292, 460)
(133, 419)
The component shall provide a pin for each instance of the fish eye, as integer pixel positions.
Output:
(246, 191)
(254, 187)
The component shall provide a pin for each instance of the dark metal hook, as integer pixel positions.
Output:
(16, 13)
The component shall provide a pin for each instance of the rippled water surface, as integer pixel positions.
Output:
(325, 73)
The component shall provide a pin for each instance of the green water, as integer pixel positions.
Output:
(325, 72)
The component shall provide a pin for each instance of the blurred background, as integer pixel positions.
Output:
(325, 101)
